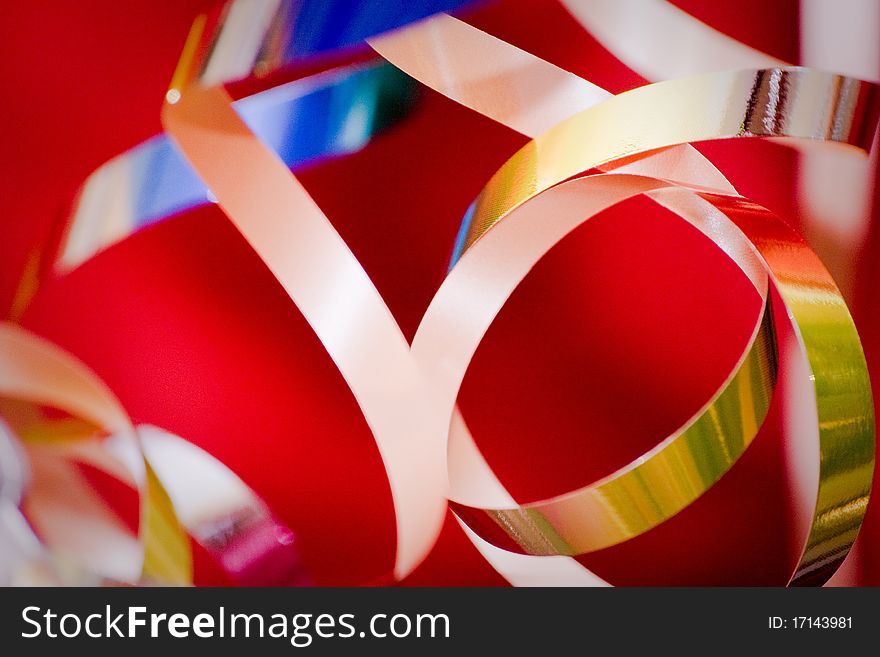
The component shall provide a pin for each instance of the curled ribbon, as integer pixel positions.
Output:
(182, 489)
(37, 371)
(639, 143)
(769, 103)
(146, 184)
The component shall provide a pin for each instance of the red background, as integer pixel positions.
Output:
(617, 337)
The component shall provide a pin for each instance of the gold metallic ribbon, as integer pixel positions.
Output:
(640, 137)
(778, 103)
(659, 41)
(781, 102)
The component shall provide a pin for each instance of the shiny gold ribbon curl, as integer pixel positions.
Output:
(785, 103)
(294, 238)
(408, 392)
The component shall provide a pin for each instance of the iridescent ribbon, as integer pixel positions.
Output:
(408, 395)
(325, 115)
(256, 204)
(76, 538)
(151, 181)
(296, 241)
(249, 543)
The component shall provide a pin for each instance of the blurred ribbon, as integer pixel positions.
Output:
(329, 114)
(639, 143)
(36, 371)
(324, 115)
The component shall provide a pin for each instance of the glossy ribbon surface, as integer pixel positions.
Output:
(589, 152)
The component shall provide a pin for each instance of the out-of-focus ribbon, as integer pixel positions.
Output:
(35, 370)
(748, 104)
(328, 114)
(55, 525)
(302, 249)
(639, 142)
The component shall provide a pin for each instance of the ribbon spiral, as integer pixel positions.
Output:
(588, 151)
